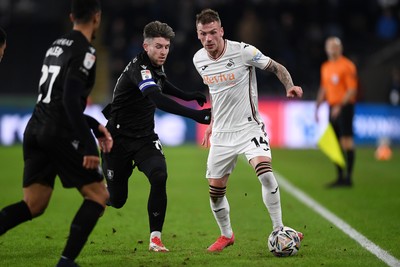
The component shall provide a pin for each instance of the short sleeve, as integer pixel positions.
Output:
(254, 57)
(351, 76)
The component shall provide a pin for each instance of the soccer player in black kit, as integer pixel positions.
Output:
(139, 90)
(58, 139)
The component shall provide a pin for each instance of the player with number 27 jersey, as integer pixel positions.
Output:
(58, 125)
(70, 57)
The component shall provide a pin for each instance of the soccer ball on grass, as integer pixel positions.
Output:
(284, 242)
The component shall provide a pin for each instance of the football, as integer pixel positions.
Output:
(284, 242)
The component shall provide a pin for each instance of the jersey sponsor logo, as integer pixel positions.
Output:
(143, 67)
(216, 79)
(55, 51)
(89, 60)
(146, 74)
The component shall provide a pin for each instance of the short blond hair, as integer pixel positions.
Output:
(207, 16)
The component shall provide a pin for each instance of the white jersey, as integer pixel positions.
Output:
(232, 83)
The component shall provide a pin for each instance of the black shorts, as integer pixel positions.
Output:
(128, 152)
(45, 157)
(343, 124)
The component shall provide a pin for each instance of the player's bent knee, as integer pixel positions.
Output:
(104, 196)
(158, 178)
(37, 212)
(36, 208)
(155, 170)
(37, 197)
(96, 192)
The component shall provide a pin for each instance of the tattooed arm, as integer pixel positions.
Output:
(284, 76)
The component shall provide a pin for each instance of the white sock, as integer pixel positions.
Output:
(220, 209)
(155, 234)
(271, 198)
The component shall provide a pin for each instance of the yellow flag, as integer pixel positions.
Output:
(329, 144)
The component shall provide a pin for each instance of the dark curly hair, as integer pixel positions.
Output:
(158, 29)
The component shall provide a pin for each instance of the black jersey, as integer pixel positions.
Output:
(69, 57)
(131, 112)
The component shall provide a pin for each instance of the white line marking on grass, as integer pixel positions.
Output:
(339, 223)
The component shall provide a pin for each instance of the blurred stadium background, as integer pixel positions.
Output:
(290, 31)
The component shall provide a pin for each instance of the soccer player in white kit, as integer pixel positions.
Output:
(228, 69)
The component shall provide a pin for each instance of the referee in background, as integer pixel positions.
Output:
(339, 88)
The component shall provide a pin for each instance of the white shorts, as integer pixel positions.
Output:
(226, 147)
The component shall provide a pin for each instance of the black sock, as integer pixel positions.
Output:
(81, 227)
(13, 215)
(350, 155)
(156, 207)
(339, 172)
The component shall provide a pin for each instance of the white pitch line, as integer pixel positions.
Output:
(339, 223)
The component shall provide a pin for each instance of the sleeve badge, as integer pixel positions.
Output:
(89, 60)
(146, 74)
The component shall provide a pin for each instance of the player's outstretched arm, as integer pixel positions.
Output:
(168, 105)
(284, 76)
(171, 89)
(294, 91)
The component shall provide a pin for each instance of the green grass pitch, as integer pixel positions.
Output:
(120, 238)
